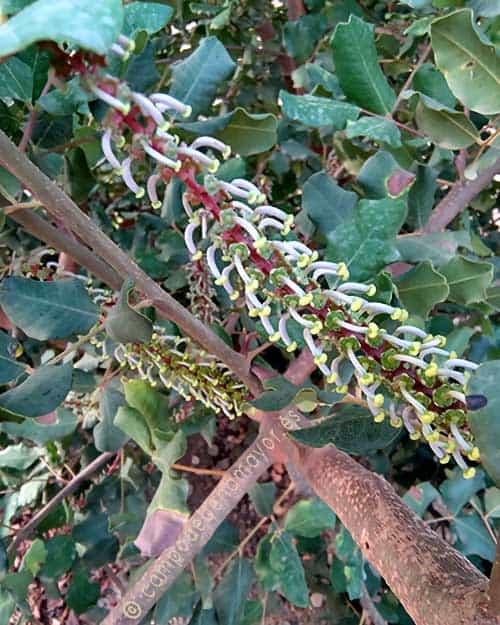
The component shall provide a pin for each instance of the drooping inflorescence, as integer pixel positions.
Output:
(404, 373)
(177, 363)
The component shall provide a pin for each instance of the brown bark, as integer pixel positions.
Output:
(494, 585)
(457, 200)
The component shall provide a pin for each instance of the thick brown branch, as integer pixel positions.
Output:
(494, 585)
(70, 487)
(65, 211)
(43, 230)
(238, 479)
(459, 197)
(435, 584)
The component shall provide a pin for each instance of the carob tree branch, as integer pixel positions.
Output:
(62, 208)
(197, 531)
(439, 586)
(494, 585)
(70, 487)
(458, 198)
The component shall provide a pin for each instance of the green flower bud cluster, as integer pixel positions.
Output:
(177, 363)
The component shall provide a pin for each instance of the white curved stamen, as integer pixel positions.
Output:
(308, 338)
(186, 205)
(188, 237)
(420, 409)
(339, 297)
(211, 142)
(283, 330)
(271, 211)
(459, 460)
(434, 351)
(241, 270)
(286, 248)
(108, 150)
(226, 279)
(246, 225)
(128, 178)
(198, 156)
(462, 443)
(161, 158)
(321, 264)
(460, 362)
(358, 367)
(323, 272)
(454, 375)
(267, 325)
(212, 265)
(123, 107)
(353, 286)
(378, 308)
(204, 225)
(294, 287)
(119, 51)
(243, 207)
(458, 396)
(233, 190)
(421, 334)
(254, 300)
(151, 189)
(303, 322)
(405, 415)
(171, 103)
(352, 328)
(270, 222)
(437, 448)
(148, 109)
(418, 362)
(395, 341)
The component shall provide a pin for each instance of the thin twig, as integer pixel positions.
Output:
(91, 468)
(187, 469)
(409, 80)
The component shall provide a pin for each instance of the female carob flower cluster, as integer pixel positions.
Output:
(404, 373)
(177, 363)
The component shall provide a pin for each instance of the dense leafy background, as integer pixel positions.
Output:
(319, 110)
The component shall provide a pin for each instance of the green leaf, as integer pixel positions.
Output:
(262, 497)
(48, 310)
(376, 129)
(492, 502)
(82, 593)
(357, 67)
(35, 556)
(61, 552)
(309, 518)
(148, 16)
(317, 112)
(381, 176)
(485, 422)
(153, 406)
(456, 491)
(43, 433)
(420, 497)
(107, 436)
(287, 565)
(468, 61)
(446, 127)
(421, 288)
(123, 323)
(10, 368)
(195, 80)
(467, 279)
(436, 247)
(421, 197)
(178, 601)
(133, 424)
(71, 99)
(366, 243)
(300, 36)
(42, 392)
(352, 429)
(16, 79)
(19, 456)
(279, 393)
(326, 203)
(431, 82)
(474, 537)
(91, 25)
(232, 591)
(246, 133)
